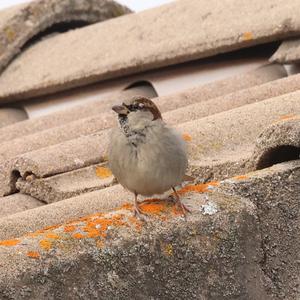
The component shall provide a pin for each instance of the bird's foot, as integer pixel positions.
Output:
(138, 213)
(179, 204)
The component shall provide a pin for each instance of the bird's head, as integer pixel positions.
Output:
(138, 107)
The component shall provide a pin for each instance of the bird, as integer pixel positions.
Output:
(146, 156)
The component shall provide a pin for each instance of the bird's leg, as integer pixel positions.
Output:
(137, 211)
(178, 202)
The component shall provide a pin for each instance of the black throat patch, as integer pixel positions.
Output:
(134, 137)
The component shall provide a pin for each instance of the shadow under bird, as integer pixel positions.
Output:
(145, 155)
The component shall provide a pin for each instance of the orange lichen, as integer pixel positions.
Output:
(127, 206)
(9, 243)
(45, 244)
(99, 244)
(136, 222)
(186, 137)
(287, 117)
(199, 188)
(78, 235)
(91, 231)
(153, 206)
(240, 177)
(53, 236)
(247, 36)
(103, 172)
(69, 228)
(49, 228)
(33, 254)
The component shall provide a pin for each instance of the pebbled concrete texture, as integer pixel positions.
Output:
(201, 30)
(113, 255)
(275, 191)
(22, 22)
(288, 52)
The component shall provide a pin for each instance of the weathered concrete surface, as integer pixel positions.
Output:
(66, 185)
(277, 143)
(288, 52)
(20, 23)
(99, 109)
(101, 121)
(219, 145)
(17, 203)
(56, 159)
(201, 29)
(276, 193)
(11, 115)
(111, 256)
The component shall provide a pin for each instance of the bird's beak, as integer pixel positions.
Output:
(121, 110)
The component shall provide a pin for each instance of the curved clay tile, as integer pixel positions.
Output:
(22, 22)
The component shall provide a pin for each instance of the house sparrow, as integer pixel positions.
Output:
(145, 155)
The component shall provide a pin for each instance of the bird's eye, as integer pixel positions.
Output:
(141, 105)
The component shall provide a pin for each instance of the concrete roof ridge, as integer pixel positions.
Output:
(247, 214)
(21, 23)
(140, 42)
(115, 243)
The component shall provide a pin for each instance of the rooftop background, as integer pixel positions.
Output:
(136, 5)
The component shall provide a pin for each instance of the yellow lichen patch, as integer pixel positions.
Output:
(10, 34)
(168, 249)
(9, 243)
(247, 36)
(187, 137)
(199, 188)
(240, 177)
(45, 244)
(33, 254)
(52, 236)
(103, 172)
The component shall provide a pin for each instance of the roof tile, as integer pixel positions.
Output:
(146, 40)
